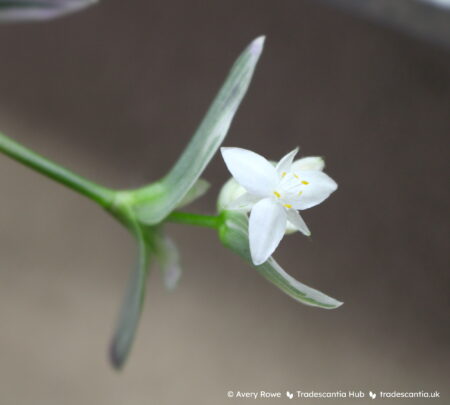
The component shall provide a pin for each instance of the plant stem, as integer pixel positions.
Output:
(100, 194)
(208, 221)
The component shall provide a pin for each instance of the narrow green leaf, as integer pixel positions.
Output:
(132, 306)
(36, 10)
(234, 235)
(167, 193)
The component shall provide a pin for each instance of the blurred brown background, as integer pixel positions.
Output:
(114, 93)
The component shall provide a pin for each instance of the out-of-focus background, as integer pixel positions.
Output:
(115, 93)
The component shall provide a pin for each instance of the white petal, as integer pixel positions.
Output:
(295, 219)
(284, 165)
(308, 163)
(290, 228)
(266, 229)
(318, 188)
(251, 171)
(245, 202)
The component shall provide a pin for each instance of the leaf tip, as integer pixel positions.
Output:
(116, 357)
(336, 304)
(257, 45)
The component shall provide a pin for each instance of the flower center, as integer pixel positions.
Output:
(289, 189)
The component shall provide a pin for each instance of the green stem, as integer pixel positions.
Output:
(101, 195)
(208, 221)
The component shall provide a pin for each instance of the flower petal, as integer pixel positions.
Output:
(251, 171)
(296, 220)
(245, 202)
(290, 229)
(284, 165)
(266, 229)
(308, 163)
(317, 186)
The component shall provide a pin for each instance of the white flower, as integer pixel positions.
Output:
(274, 194)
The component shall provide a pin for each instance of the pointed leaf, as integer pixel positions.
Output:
(166, 194)
(200, 187)
(234, 235)
(132, 306)
(35, 10)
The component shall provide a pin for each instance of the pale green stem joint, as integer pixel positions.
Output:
(119, 203)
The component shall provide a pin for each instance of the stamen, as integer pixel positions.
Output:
(283, 174)
(305, 182)
(300, 193)
(295, 176)
(287, 205)
(277, 194)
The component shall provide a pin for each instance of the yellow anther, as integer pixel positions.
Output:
(305, 182)
(277, 194)
(295, 176)
(283, 174)
(287, 205)
(300, 193)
